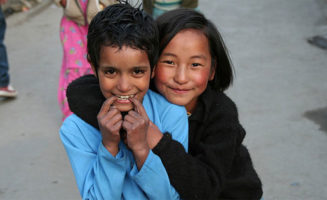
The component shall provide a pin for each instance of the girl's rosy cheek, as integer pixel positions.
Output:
(201, 79)
(162, 74)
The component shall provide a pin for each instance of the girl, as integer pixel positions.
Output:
(73, 31)
(193, 70)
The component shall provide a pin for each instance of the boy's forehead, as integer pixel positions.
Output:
(123, 56)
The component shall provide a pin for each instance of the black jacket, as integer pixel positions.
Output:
(217, 165)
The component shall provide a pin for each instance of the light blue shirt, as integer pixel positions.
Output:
(100, 175)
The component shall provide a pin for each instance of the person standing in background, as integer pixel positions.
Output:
(158, 7)
(73, 31)
(6, 90)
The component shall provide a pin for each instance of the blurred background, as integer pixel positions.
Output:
(280, 90)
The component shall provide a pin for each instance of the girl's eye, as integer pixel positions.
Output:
(169, 62)
(196, 64)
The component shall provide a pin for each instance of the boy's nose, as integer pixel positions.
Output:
(123, 84)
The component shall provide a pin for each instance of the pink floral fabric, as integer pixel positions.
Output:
(74, 62)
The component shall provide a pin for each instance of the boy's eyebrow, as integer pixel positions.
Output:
(114, 67)
(107, 66)
(140, 66)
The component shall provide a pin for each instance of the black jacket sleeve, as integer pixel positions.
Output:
(218, 166)
(85, 98)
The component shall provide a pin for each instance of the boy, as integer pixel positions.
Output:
(117, 162)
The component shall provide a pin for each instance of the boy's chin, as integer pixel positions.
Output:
(124, 108)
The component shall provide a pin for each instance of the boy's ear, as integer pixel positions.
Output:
(153, 71)
(94, 70)
(92, 66)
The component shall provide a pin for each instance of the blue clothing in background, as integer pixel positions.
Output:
(4, 67)
(100, 175)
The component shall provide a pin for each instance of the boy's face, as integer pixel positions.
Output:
(123, 73)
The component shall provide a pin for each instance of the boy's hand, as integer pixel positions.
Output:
(136, 124)
(110, 122)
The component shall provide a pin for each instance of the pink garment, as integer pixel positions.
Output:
(74, 62)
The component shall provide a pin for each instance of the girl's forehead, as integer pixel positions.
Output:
(188, 42)
(191, 32)
(187, 36)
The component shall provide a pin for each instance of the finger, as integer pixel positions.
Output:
(116, 127)
(106, 106)
(138, 107)
(132, 116)
(109, 115)
(113, 118)
(127, 125)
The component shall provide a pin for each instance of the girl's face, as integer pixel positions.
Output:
(184, 68)
(124, 73)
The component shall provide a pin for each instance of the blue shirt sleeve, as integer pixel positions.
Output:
(168, 117)
(175, 122)
(153, 179)
(98, 174)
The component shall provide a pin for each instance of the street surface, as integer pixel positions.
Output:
(280, 90)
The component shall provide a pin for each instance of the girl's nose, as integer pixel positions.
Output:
(181, 75)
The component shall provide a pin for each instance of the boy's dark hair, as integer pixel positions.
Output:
(121, 25)
(172, 22)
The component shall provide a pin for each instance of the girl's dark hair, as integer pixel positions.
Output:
(122, 25)
(172, 22)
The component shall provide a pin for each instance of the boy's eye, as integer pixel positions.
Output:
(138, 72)
(110, 71)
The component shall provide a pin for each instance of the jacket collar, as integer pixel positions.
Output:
(203, 106)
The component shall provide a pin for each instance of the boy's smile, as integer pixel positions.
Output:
(124, 73)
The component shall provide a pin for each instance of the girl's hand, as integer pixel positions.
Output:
(110, 122)
(154, 135)
(136, 124)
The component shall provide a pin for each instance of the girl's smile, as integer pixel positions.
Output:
(179, 90)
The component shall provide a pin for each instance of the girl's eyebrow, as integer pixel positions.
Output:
(169, 54)
(201, 56)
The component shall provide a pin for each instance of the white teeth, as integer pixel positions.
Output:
(125, 97)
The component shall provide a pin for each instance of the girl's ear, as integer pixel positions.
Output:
(153, 71)
(212, 72)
